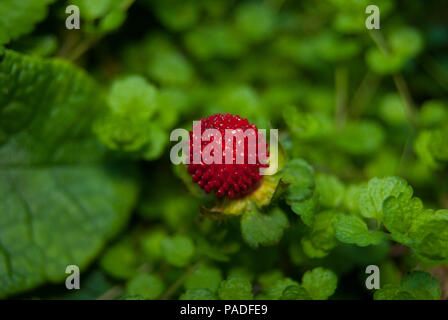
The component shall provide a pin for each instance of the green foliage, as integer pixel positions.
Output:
(235, 288)
(352, 229)
(277, 289)
(86, 177)
(198, 294)
(147, 286)
(59, 202)
(417, 285)
(204, 277)
(263, 229)
(19, 17)
(372, 196)
(102, 16)
(132, 103)
(301, 194)
(120, 261)
(177, 250)
(320, 283)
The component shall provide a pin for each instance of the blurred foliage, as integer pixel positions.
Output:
(362, 117)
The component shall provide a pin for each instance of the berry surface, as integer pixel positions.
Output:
(228, 178)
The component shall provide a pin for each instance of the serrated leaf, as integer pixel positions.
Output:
(321, 239)
(353, 230)
(330, 190)
(424, 230)
(418, 285)
(120, 260)
(431, 234)
(399, 216)
(19, 17)
(295, 293)
(236, 288)
(392, 292)
(198, 294)
(301, 194)
(204, 277)
(421, 285)
(147, 286)
(372, 196)
(320, 283)
(263, 229)
(178, 250)
(359, 138)
(59, 204)
(275, 291)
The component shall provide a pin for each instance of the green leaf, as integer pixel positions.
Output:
(400, 216)
(351, 194)
(268, 278)
(236, 288)
(147, 286)
(426, 231)
(263, 229)
(255, 20)
(421, 285)
(371, 197)
(92, 10)
(120, 260)
(276, 290)
(330, 189)
(392, 292)
(359, 138)
(423, 148)
(295, 293)
(178, 250)
(59, 204)
(433, 113)
(198, 294)
(406, 41)
(384, 64)
(438, 145)
(320, 283)
(301, 194)
(19, 17)
(241, 272)
(321, 239)
(204, 277)
(431, 235)
(151, 243)
(418, 285)
(392, 109)
(128, 126)
(133, 95)
(353, 230)
(307, 125)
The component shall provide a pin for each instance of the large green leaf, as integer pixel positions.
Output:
(59, 203)
(19, 17)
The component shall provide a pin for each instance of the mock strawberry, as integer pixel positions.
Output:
(229, 178)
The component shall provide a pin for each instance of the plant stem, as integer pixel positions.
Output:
(112, 293)
(364, 93)
(178, 283)
(83, 47)
(405, 95)
(399, 80)
(341, 85)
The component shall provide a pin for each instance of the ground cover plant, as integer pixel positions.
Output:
(85, 171)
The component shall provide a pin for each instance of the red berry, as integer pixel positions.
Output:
(232, 180)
